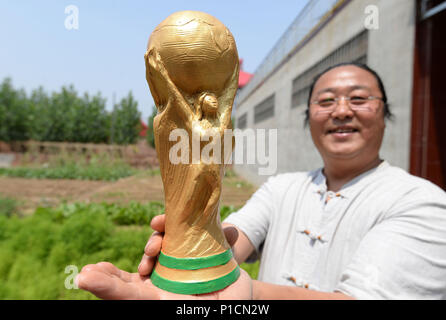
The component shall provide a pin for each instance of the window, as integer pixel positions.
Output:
(264, 110)
(354, 50)
(242, 121)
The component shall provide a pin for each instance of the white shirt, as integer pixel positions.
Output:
(383, 235)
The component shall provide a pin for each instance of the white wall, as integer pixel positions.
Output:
(390, 53)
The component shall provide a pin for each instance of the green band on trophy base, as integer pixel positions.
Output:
(195, 287)
(195, 263)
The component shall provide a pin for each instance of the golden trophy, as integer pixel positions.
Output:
(192, 69)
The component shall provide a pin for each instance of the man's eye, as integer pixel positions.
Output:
(326, 102)
(358, 100)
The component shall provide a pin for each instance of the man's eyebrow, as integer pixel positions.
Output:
(334, 90)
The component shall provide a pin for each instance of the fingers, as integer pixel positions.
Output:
(112, 270)
(106, 281)
(231, 235)
(146, 265)
(151, 251)
(153, 246)
(158, 223)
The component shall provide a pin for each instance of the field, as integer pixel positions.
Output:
(142, 187)
(50, 228)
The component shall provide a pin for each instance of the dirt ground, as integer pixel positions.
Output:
(32, 193)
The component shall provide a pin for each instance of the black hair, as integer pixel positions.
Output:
(387, 113)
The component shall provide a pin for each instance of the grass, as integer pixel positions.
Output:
(39, 253)
(8, 206)
(64, 166)
(233, 180)
(35, 252)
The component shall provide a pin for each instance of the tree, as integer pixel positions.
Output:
(91, 120)
(39, 118)
(66, 117)
(61, 114)
(13, 113)
(125, 121)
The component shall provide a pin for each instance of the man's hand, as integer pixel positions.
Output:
(153, 246)
(108, 282)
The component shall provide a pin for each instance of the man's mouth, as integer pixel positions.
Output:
(342, 130)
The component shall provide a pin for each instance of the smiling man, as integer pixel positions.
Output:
(356, 228)
(347, 111)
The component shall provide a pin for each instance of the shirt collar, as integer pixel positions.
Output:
(320, 181)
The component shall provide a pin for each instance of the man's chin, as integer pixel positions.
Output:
(343, 153)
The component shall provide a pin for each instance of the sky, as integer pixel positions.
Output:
(105, 54)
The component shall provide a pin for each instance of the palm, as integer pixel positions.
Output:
(108, 282)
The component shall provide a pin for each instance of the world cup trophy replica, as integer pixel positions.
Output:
(192, 69)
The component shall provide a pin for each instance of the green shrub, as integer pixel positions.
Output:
(95, 169)
(35, 251)
(65, 116)
(125, 121)
(135, 213)
(7, 206)
(226, 211)
(14, 113)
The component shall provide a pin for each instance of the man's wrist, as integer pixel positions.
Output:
(256, 290)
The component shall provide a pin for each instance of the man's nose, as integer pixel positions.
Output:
(342, 109)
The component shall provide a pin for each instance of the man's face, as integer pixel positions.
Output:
(344, 133)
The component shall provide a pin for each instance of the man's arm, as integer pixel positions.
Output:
(269, 291)
(243, 247)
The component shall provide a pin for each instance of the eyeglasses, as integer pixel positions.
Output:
(356, 103)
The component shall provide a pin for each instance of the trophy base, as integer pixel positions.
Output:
(195, 275)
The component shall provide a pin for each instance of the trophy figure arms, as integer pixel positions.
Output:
(155, 64)
(224, 102)
(227, 98)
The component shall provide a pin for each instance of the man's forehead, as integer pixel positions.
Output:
(349, 88)
(348, 77)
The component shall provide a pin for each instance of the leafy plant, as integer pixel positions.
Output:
(7, 206)
(225, 211)
(97, 168)
(35, 251)
(125, 121)
(13, 113)
(65, 116)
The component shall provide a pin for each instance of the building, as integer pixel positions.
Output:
(243, 77)
(144, 128)
(400, 39)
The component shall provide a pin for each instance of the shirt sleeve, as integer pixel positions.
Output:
(403, 256)
(254, 218)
